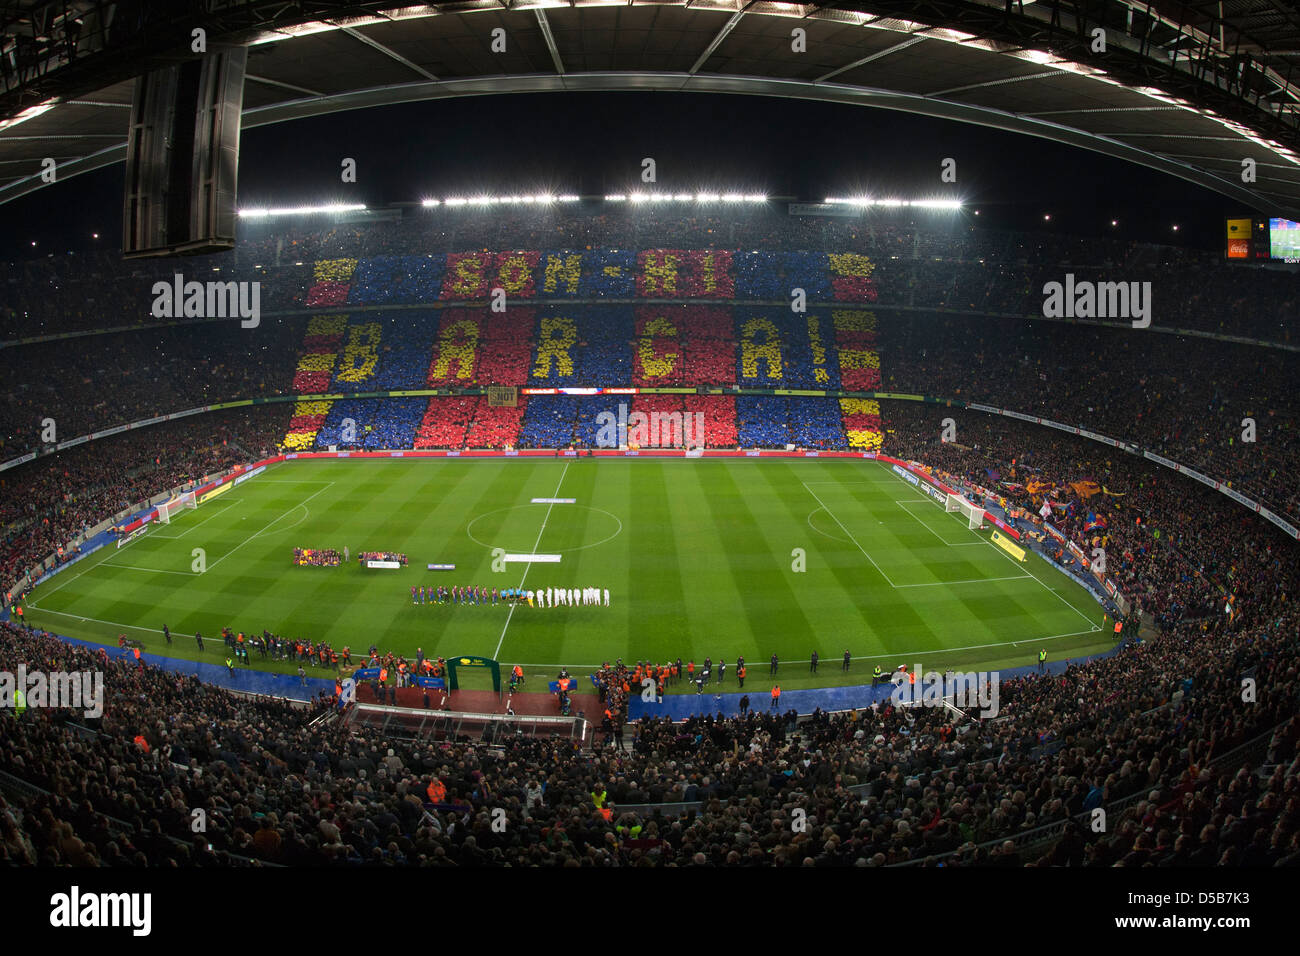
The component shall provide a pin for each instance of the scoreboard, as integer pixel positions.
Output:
(1284, 240)
(1262, 240)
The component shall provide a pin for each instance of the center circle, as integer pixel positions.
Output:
(526, 547)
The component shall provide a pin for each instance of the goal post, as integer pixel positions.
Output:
(169, 508)
(974, 513)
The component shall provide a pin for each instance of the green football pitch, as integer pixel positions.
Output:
(702, 557)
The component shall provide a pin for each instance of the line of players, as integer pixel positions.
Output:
(481, 596)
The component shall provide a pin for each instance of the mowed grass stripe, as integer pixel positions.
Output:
(179, 601)
(840, 620)
(759, 570)
(475, 629)
(920, 557)
(702, 567)
(896, 618)
(557, 634)
(248, 585)
(429, 521)
(1036, 568)
(663, 532)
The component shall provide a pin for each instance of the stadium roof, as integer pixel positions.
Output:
(1190, 88)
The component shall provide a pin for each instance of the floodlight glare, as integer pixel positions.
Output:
(301, 210)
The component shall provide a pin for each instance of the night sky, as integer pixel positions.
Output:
(594, 142)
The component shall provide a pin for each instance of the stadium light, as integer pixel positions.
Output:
(262, 213)
(704, 197)
(866, 201)
(525, 199)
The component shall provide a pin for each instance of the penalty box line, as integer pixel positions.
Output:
(926, 526)
(878, 568)
(529, 566)
(924, 584)
(228, 504)
(980, 538)
(301, 504)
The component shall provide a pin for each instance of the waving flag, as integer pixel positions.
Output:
(1086, 488)
(1094, 522)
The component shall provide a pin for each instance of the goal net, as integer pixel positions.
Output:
(169, 508)
(974, 513)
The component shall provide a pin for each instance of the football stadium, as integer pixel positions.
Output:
(657, 495)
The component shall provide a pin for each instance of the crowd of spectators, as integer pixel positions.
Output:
(1183, 398)
(927, 262)
(875, 786)
(46, 503)
(1177, 549)
(87, 384)
(767, 421)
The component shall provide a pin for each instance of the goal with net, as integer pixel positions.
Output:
(169, 508)
(974, 513)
